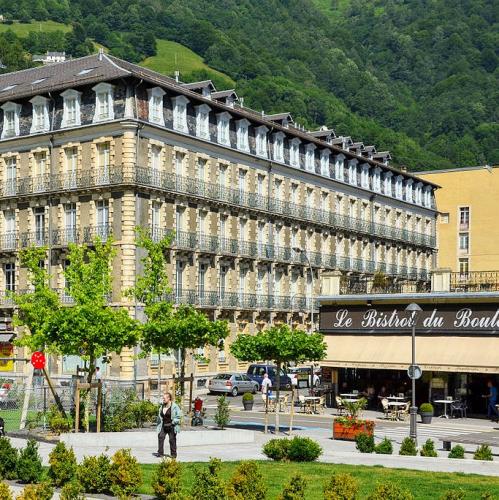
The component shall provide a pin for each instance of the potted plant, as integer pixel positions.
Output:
(248, 400)
(426, 412)
(350, 426)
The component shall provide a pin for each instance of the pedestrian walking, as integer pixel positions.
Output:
(266, 385)
(169, 417)
(492, 401)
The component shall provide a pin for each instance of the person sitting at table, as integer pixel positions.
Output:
(369, 394)
(382, 394)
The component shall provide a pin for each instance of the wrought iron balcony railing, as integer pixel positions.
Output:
(102, 231)
(63, 237)
(475, 281)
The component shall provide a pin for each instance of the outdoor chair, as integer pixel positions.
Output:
(459, 408)
(284, 404)
(340, 406)
(403, 414)
(321, 405)
(389, 414)
(303, 403)
(271, 403)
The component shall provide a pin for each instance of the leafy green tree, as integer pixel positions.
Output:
(279, 344)
(166, 328)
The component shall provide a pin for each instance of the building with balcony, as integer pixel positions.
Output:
(468, 230)
(258, 206)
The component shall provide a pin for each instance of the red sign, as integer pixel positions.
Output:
(38, 360)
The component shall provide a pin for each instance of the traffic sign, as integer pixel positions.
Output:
(38, 360)
(414, 372)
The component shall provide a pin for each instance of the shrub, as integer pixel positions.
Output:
(426, 408)
(125, 474)
(390, 491)
(341, 487)
(247, 396)
(207, 484)
(428, 449)
(29, 464)
(222, 415)
(62, 465)
(5, 493)
(483, 452)
(456, 452)
(57, 422)
(294, 489)
(408, 447)
(42, 491)
(457, 494)
(73, 490)
(143, 412)
(247, 483)
(93, 474)
(118, 410)
(384, 447)
(166, 480)
(303, 449)
(364, 442)
(277, 449)
(8, 459)
(486, 495)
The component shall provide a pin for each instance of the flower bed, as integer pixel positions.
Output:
(348, 428)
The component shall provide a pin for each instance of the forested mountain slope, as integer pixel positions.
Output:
(418, 77)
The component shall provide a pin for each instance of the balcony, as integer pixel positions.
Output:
(475, 281)
(90, 233)
(63, 237)
(243, 301)
(38, 238)
(9, 241)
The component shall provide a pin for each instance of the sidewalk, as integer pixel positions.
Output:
(339, 452)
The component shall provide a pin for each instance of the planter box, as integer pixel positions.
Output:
(350, 432)
(248, 405)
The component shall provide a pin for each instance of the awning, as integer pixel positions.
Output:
(433, 353)
(5, 338)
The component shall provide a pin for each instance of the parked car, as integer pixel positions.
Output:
(257, 371)
(232, 383)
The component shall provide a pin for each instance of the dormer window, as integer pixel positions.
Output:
(388, 183)
(156, 105)
(419, 193)
(339, 171)
(399, 187)
(180, 113)
(377, 180)
(261, 140)
(427, 196)
(203, 121)
(242, 135)
(223, 124)
(352, 172)
(364, 176)
(294, 152)
(409, 193)
(71, 108)
(310, 157)
(40, 121)
(104, 109)
(11, 112)
(325, 162)
(278, 146)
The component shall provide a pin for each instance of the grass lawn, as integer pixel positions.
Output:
(22, 29)
(173, 56)
(423, 485)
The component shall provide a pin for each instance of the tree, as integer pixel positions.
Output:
(167, 328)
(89, 327)
(279, 344)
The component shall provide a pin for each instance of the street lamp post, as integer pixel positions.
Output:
(307, 260)
(414, 309)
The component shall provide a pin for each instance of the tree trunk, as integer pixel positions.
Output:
(182, 372)
(277, 394)
(91, 371)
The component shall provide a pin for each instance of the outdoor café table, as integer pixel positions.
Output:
(444, 402)
(312, 401)
(350, 396)
(397, 404)
(396, 398)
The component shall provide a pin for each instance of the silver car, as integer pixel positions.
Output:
(232, 383)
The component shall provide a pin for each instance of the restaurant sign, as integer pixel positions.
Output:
(439, 319)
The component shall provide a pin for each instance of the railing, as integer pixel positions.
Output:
(102, 232)
(475, 281)
(204, 189)
(236, 300)
(63, 237)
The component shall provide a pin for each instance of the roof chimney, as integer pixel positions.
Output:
(241, 100)
(101, 53)
(177, 75)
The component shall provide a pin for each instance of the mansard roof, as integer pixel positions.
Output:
(104, 67)
(200, 85)
(280, 118)
(223, 94)
(323, 132)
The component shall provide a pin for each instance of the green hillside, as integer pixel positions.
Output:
(172, 56)
(417, 77)
(22, 29)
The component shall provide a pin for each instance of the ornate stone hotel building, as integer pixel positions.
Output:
(259, 206)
